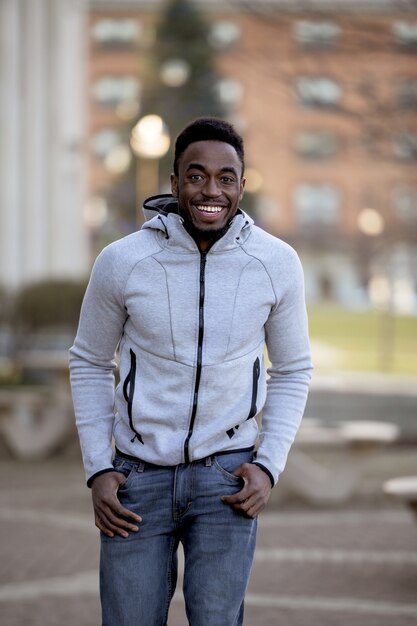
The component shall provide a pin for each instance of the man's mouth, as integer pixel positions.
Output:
(205, 208)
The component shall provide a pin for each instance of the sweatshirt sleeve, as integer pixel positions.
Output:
(290, 370)
(92, 363)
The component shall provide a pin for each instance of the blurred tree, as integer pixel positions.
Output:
(179, 83)
(50, 304)
(5, 303)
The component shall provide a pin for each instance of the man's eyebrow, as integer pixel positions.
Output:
(195, 166)
(199, 166)
(229, 168)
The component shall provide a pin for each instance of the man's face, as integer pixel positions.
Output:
(209, 186)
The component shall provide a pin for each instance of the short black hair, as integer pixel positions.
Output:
(208, 129)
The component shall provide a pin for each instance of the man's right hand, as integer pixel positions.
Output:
(111, 517)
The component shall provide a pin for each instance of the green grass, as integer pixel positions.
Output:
(369, 341)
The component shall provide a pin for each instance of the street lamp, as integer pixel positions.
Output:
(150, 142)
(372, 224)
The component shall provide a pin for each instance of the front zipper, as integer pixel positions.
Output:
(256, 370)
(130, 378)
(255, 378)
(203, 256)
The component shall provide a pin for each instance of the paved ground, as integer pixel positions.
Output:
(355, 564)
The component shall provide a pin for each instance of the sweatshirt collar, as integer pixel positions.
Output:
(161, 213)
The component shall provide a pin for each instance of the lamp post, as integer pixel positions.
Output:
(150, 142)
(372, 224)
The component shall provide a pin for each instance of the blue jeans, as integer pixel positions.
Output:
(179, 504)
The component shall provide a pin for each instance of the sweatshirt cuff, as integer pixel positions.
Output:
(104, 471)
(267, 472)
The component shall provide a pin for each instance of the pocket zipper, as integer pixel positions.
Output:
(130, 381)
(253, 409)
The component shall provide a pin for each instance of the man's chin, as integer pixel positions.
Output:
(211, 233)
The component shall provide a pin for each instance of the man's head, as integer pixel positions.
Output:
(208, 177)
(208, 129)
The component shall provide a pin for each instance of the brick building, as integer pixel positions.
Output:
(325, 94)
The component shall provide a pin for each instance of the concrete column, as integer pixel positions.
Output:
(42, 130)
(68, 249)
(34, 139)
(10, 179)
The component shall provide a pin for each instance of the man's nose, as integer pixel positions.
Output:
(212, 188)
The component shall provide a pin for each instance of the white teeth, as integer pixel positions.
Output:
(209, 209)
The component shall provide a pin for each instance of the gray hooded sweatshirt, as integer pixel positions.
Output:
(190, 329)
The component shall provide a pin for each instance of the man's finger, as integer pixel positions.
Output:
(253, 496)
(239, 497)
(111, 525)
(233, 500)
(116, 518)
(119, 520)
(116, 508)
(101, 526)
(105, 500)
(253, 511)
(111, 530)
(250, 507)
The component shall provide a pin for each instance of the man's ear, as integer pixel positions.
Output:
(242, 188)
(174, 185)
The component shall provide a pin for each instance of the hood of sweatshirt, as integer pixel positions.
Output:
(161, 213)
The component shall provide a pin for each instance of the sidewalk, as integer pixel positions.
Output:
(378, 383)
(331, 567)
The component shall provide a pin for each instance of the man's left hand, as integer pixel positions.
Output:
(254, 495)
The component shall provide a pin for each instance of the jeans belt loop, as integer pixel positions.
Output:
(141, 466)
(208, 461)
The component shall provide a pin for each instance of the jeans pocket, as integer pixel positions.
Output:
(228, 463)
(124, 467)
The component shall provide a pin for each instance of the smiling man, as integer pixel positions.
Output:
(189, 301)
(208, 182)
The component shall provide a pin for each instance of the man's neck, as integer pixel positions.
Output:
(205, 240)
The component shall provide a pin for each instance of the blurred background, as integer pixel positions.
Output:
(324, 92)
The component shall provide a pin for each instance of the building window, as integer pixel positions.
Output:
(230, 91)
(112, 90)
(175, 72)
(316, 203)
(316, 144)
(404, 200)
(316, 35)
(407, 93)
(405, 146)
(115, 33)
(224, 34)
(318, 91)
(104, 141)
(405, 34)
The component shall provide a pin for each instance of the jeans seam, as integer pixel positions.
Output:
(192, 488)
(169, 578)
(174, 496)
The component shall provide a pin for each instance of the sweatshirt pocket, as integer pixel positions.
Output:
(129, 392)
(255, 380)
(256, 370)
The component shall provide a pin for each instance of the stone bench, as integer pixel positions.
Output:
(36, 420)
(355, 442)
(403, 489)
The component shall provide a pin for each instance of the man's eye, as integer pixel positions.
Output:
(195, 177)
(227, 179)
